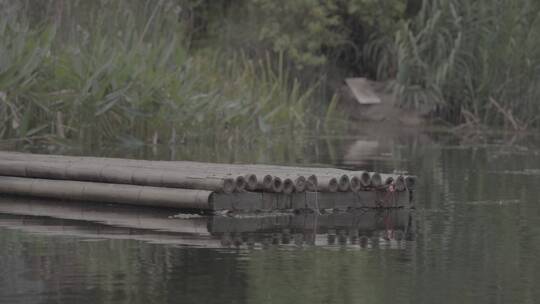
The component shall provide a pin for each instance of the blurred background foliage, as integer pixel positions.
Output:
(474, 62)
(165, 71)
(139, 71)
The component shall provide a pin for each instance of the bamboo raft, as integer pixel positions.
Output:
(199, 186)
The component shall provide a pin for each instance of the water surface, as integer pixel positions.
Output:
(474, 236)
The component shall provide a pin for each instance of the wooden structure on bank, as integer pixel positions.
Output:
(200, 186)
(362, 89)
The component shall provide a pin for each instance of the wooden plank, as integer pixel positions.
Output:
(362, 91)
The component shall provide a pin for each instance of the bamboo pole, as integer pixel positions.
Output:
(222, 170)
(119, 175)
(327, 183)
(231, 168)
(242, 181)
(109, 193)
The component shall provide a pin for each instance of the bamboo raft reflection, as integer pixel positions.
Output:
(388, 228)
(201, 186)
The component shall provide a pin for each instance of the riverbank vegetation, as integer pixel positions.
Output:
(119, 71)
(472, 62)
(165, 71)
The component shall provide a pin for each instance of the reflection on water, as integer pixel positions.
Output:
(354, 229)
(473, 238)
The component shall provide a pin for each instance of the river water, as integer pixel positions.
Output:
(473, 236)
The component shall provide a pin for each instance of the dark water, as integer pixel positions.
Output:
(474, 236)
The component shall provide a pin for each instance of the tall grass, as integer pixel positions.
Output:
(474, 62)
(116, 71)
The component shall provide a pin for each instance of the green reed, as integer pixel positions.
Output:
(473, 62)
(115, 71)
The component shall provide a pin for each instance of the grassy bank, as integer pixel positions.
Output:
(117, 71)
(165, 71)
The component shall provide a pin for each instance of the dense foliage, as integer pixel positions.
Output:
(125, 70)
(472, 61)
(164, 70)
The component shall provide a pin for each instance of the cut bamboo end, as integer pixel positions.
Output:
(251, 182)
(376, 180)
(288, 186)
(300, 184)
(266, 182)
(365, 179)
(312, 183)
(229, 185)
(240, 183)
(344, 183)
(355, 184)
(277, 185)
